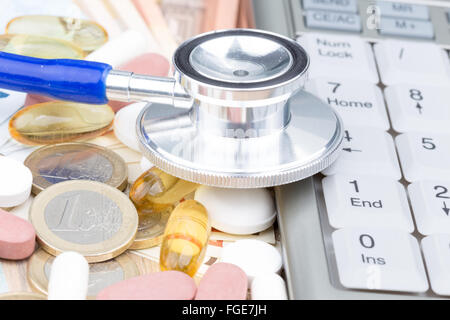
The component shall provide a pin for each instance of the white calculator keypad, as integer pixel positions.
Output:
(390, 188)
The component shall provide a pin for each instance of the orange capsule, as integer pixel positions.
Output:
(185, 238)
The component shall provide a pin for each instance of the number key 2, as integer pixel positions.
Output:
(430, 201)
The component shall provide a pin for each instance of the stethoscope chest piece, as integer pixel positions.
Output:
(249, 124)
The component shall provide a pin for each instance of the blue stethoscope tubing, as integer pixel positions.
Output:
(63, 79)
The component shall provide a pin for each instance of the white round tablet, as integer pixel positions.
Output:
(255, 257)
(269, 286)
(237, 211)
(125, 124)
(15, 182)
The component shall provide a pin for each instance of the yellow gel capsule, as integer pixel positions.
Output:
(156, 191)
(185, 238)
(86, 34)
(60, 121)
(39, 47)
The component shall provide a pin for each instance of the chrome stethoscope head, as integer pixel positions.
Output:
(234, 114)
(248, 124)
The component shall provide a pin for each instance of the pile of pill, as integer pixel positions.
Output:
(78, 196)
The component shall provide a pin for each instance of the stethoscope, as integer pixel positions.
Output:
(233, 115)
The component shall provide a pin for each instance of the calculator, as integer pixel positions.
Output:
(376, 223)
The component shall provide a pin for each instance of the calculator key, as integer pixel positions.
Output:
(412, 62)
(406, 28)
(359, 103)
(379, 259)
(329, 20)
(333, 5)
(366, 152)
(436, 251)
(424, 156)
(365, 201)
(418, 108)
(339, 57)
(430, 202)
(403, 10)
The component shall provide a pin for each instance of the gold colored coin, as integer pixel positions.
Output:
(89, 217)
(76, 161)
(60, 121)
(39, 47)
(86, 34)
(101, 275)
(150, 230)
(22, 296)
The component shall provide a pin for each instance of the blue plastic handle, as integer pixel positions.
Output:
(62, 79)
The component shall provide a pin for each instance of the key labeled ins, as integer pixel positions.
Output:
(359, 103)
(379, 259)
(366, 201)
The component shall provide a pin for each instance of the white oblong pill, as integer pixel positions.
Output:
(125, 124)
(15, 182)
(269, 286)
(255, 257)
(69, 277)
(121, 49)
(238, 211)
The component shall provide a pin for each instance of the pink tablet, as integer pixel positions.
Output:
(223, 281)
(17, 237)
(167, 285)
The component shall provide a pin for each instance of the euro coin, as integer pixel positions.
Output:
(57, 163)
(101, 274)
(88, 217)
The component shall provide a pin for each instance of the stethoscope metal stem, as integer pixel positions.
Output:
(128, 86)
